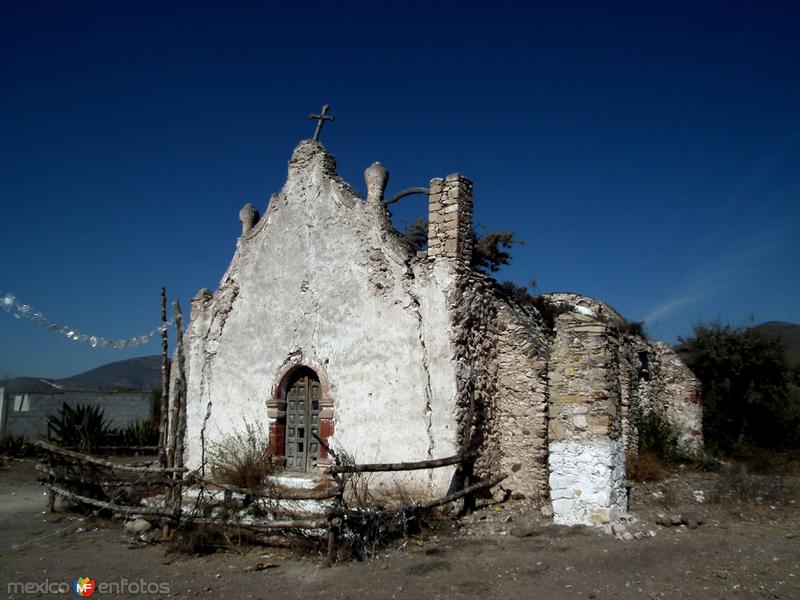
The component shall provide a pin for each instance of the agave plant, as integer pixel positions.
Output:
(83, 426)
(139, 433)
(16, 446)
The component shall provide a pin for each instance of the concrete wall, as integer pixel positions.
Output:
(26, 414)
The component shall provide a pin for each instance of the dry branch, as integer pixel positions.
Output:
(62, 476)
(276, 494)
(401, 466)
(92, 460)
(456, 495)
(267, 525)
(152, 449)
(180, 431)
(127, 510)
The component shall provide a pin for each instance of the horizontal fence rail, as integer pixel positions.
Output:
(400, 466)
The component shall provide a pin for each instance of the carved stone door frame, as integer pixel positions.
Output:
(277, 408)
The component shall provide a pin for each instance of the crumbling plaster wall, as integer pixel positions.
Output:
(325, 275)
(654, 379)
(674, 391)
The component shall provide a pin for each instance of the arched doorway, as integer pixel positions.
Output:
(302, 397)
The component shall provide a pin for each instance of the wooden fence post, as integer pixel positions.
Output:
(180, 421)
(162, 422)
(468, 450)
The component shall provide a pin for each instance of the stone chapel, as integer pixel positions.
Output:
(328, 322)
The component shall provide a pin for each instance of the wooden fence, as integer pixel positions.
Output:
(112, 487)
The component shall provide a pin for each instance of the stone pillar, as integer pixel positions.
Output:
(586, 455)
(450, 219)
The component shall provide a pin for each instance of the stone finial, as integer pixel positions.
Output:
(376, 177)
(249, 216)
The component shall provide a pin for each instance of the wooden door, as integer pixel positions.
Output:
(302, 419)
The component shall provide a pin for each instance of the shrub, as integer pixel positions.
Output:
(549, 310)
(749, 396)
(83, 426)
(736, 484)
(657, 436)
(417, 234)
(633, 328)
(644, 467)
(242, 458)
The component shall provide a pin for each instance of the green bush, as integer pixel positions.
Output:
(83, 426)
(750, 398)
(657, 436)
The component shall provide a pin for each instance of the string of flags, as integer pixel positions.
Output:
(11, 305)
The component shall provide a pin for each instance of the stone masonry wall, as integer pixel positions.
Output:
(474, 334)
(472, 317)
(499, 351)
(586, 456)
(661, 383)
(681, 397)
(519, 427)
(629, 392)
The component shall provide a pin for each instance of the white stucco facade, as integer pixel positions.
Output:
(323, 280)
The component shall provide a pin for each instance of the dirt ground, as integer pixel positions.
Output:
(747, 549)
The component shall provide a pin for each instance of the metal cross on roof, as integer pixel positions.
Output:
(321, 118)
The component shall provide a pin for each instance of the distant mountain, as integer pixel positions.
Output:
(789, 333)
(143, 373)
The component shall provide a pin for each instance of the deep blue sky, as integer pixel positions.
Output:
(647, 153)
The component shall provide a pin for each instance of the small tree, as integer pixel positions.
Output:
(519, 293)
(489, 251)
(417, 234)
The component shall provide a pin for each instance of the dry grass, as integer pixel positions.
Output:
(241, 459)
(737, 484)
(644, 467)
